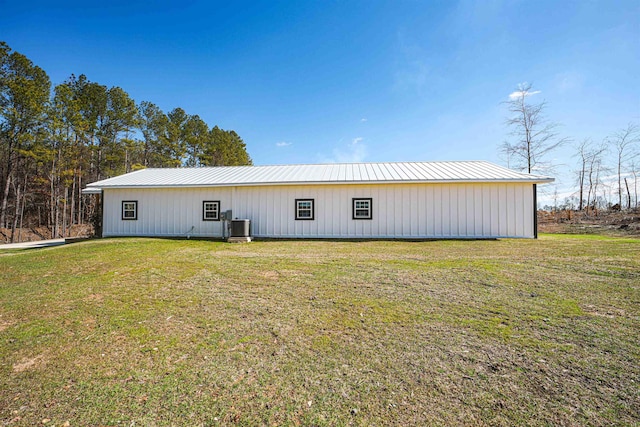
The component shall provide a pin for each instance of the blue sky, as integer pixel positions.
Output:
(323, 81)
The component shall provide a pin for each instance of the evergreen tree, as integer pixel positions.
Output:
(24, 97)
(52, 143)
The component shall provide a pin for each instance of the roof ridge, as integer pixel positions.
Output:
(322, 164)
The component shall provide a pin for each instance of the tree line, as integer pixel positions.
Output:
(55, 141)
(606, 173)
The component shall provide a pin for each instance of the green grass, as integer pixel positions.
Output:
(166, 332)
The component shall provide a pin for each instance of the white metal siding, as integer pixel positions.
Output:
(399, 211)
(409, 211)
(164, 212)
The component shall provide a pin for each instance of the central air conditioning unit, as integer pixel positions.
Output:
(240, 231)
(240, 228)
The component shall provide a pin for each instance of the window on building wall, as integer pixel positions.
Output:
(130, 210)
(211, 210)
(304, 209)
(362, 209)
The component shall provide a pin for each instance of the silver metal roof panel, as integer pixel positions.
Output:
(338, 173)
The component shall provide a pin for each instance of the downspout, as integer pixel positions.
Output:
(535, 211)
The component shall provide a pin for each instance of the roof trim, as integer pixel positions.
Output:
(92, 190)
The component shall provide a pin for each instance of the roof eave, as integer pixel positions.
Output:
(92, 190)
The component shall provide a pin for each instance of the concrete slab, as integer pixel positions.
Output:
(33, 245)
(239, 239)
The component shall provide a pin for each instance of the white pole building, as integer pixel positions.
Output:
(410, 200)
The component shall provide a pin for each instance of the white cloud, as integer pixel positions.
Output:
(412, 77)
(412, 70)
(608, 188)
(569, 81)
(283, 144)
(363, 119)
(552, 194)
(518, 93)
(354, 152)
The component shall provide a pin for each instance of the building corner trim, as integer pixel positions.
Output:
(535, 211)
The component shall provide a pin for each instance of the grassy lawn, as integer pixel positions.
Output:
(162, 332)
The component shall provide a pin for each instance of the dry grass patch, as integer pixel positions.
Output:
(161, 332)
(29, 363)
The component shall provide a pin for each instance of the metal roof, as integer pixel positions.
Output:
(335, 173)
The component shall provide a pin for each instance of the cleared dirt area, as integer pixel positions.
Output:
(165, 332)
(612, 223)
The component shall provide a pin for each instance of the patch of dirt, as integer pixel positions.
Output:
(273, 275)
(609, 312)
(89, 323)
(4, 325)
(620, 223)
(94, 297)
(29, 363)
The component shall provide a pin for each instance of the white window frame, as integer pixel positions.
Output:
(211, 207)
(310, 209)
(357, 210)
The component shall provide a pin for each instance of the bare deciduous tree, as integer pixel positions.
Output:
(635, 170)
(595, 170)
(590, 158)
(534, 136)
(625, 143)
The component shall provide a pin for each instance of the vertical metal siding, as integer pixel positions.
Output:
(399, 211)
(164, 212)
(409, 210)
